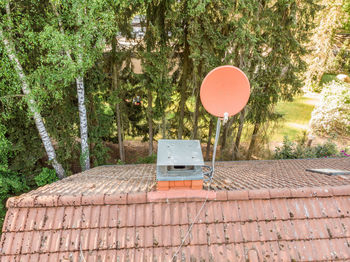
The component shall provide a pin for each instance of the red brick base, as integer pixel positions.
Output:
(185, 184)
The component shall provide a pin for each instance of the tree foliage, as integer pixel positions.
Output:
(323, 47)
(177, 44)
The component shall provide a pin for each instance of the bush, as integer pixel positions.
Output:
(332, 115)
(11, 184)
(327, 149)
(291, 150)
(286, 151)
(46, 176)
(147, 160)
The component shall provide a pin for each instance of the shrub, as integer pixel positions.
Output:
(11, 184)
(120, 162)
(286, 151)
(291, 150)
(332, 114)
(46, 176)
(327, 149)
(147, 160)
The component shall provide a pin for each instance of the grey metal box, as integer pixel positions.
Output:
(179, 160)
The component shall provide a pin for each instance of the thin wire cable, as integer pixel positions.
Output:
(194, 221)
(210, 174)
(82, 258)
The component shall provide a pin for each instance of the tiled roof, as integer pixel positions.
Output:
(228, 176)
(77, 218)
(260, 225)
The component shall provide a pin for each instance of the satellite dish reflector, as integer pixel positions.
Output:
(225, 89)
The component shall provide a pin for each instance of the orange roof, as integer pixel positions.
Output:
(109, 224)
(228, 176)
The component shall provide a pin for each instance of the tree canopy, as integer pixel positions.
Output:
(176, 43)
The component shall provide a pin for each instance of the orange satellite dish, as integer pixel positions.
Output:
(225, 89)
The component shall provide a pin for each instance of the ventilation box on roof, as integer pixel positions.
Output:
(179, 164)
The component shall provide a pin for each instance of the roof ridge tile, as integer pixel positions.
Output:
(98, 199)
(69, 200)
(259, 194)
(238, 195)
(184, 195)
(301, 192)
(113, 199)
(341, 190)
(137, 198)
(323, 191)
(221, 195)
(20, 201)
(45, 201)
(174, 196)
(280, 193)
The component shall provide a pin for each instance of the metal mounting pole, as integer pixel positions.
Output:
(217, 135)
(218, 125)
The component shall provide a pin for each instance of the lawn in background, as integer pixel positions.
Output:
(296, 117)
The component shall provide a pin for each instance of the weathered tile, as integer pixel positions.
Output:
(271, 226)
(27, 241)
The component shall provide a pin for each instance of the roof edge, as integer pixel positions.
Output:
(174, 196)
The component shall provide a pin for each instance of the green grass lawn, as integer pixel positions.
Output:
(296, 117)
(327, 78)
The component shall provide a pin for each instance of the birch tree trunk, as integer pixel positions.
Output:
(85, 154)
(50, 151)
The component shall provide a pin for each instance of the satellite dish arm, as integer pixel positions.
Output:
(217, 135)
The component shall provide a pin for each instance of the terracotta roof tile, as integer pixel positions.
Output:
(111, 180)
(111, 224)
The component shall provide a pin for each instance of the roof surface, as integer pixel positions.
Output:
(97, 217)
(228, 176)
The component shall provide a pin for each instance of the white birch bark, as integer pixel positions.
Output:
(82, 115)
(50, 151)
(83, 123)
(85, 154)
